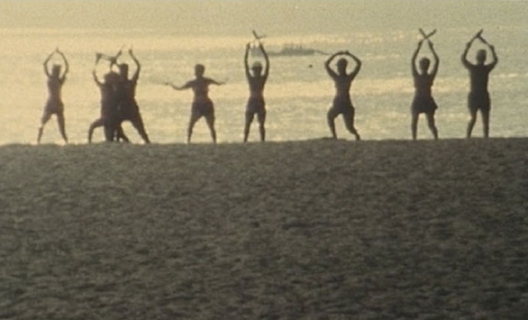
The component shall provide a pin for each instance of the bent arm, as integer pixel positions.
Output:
(97, 81)
(135, 77)
(354, 73)
(494, 56)
(329, 70)
(436, 60)
(266, 59)
(414, 57)
(246, 61)
(66, 64)
(45, 64)
(465, 60)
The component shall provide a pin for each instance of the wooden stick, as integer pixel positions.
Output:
(427, 36)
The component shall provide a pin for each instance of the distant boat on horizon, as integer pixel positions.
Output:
(289, 50)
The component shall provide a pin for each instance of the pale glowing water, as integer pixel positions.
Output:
(298, 92)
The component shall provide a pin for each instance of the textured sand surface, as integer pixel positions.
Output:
(296, 230)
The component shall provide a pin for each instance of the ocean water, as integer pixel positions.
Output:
(298, 92)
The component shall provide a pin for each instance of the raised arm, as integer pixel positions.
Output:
(414, 57)
(66, 65)
(45, 64)
(266, 59)
(135, 77)
(494, 57)
(465, 60)
(96, 79)
(434, 71)
(246, 60)
(329, 70)
(354, 73)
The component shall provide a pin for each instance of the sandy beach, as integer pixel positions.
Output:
(317, 229)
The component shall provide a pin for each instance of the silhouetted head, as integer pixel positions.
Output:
(424, 64)
(123, 70)
(55, 70)
(257, 68)
(199, 70)
(342, 65)
(481, 56)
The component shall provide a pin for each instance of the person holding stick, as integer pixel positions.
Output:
(256, 80)
(110, 118)
(128, 107)
(202, 105)
(54, 105)
(423, 101)
(479, 98)
(342, 104)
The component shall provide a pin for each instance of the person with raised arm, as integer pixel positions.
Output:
(54, 104)
(127, 106)
(257, 80)
(342, 104)
(423, 101)
(110, 118)
(202, 105)
(479, 98)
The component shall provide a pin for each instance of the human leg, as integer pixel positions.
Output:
(330, 117)
(45, 118)
(137, 122)
(485, 122)
(96, 124)
(62, 126)
(210, 119)
(348, 117)
(261, 117)
(195, 116)
(472, 120)
(120, 134)
(431, 124)
(249, 119)
(414, 125)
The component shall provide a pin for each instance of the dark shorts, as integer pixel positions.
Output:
(342, 105)
(128, 111)
(256, 106)
(202, 109)
(479, 101)
(51, 108)
(423, 104)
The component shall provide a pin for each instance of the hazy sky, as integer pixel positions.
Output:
(236, 16)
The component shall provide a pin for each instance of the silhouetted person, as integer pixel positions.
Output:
(54, 105)
(479, 98)
(127, 106)
(110, 117)
(342, 103)
(256, 104)
(423, 101)
(202, 105)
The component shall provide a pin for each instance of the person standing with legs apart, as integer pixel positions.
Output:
(54, 105)
(256, 80)
(127, 106)
(342, 103)
(202, 105)
(109, 118)
(423, 101)
(479, 98)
